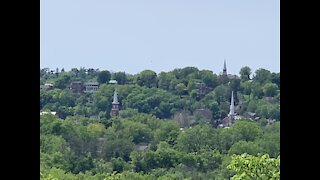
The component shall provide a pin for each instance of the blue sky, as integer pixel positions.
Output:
(131, 36)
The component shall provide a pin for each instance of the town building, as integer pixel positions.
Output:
(91, 87)
(46, 113)
(225, 73)
(46, 86)
(113, 82)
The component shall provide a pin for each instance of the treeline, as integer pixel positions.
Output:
(89, 147)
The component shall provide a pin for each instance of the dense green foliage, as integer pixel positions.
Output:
(148, 140)
(252, 167)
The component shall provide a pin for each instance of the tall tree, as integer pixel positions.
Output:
(104, 77)
(181, 88)
(210, 79)
(200, 136)
(245, 73)
(63, 81)
(164, 80)
(270, 89)
(188, 70)
(147, 78)
(262, 75)
(120, 77)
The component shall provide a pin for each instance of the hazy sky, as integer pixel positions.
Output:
(135, 35)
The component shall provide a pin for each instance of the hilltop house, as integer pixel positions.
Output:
(91, 86)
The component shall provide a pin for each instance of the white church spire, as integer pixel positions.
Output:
(115, 98)
(231, 113)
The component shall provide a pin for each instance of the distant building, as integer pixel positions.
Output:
(270, 99)
(141, 146)
(227, 121)
(49, 85)
(229, 76)
(46, 86)
(115, 105)
(203, 89)
(77, 86)
(91, 86)
(231, 113)
(271, 121)
(113, 82)
(95, 117)
(183, 118)
(45, 113)
(206, 113)
(251, 116)
(224, 71)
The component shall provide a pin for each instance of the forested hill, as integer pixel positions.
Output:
(162, 94)
(166, 127)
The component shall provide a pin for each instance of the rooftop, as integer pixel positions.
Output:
(113, 82)
(92, 83)
(43, 113)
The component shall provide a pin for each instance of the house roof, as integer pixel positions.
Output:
(251, 113)
(76, 82)
(48, 84)
(113, 81)
(141, 146)
(43, 113)
(91, 83)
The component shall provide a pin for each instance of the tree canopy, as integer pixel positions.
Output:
(166, 127)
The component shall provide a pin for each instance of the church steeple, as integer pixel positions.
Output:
(115, 105)
(224, 68)
(115, 97)
(231, 113)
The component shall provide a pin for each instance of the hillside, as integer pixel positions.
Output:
(169, 125)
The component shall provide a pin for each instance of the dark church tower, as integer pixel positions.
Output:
(224, 68)
(115, 105)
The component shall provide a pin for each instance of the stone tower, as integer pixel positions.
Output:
(115, 105)
(224, 68)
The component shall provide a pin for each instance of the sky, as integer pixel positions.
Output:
(160, 35)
